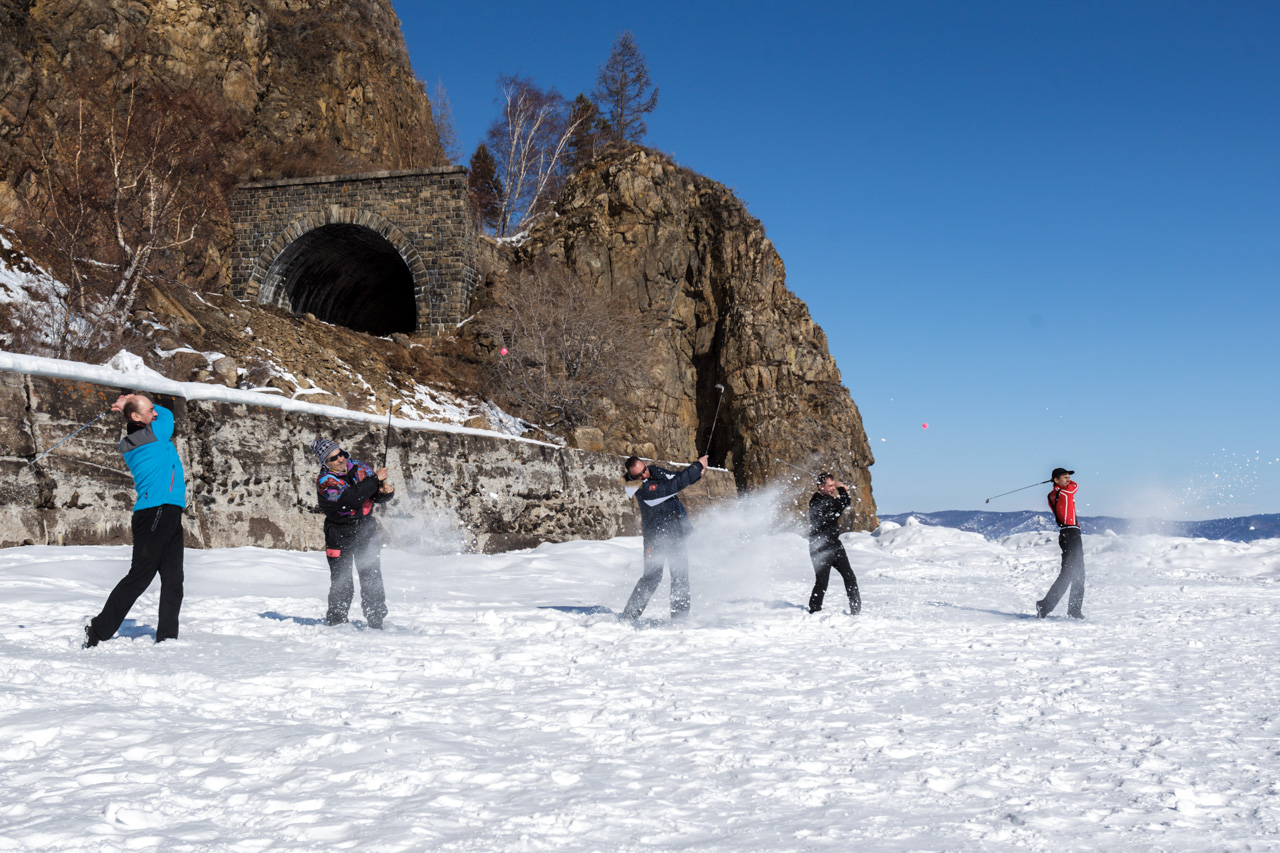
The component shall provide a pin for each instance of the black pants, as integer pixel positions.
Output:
(827, 556)
(348, 546)
(671, 551)
(1072, 575)
(157, 549)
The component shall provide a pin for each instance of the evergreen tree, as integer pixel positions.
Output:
(587, 135)
(485, 187)
(623, 92)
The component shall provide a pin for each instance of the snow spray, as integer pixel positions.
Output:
(413, 524)
(737, 549)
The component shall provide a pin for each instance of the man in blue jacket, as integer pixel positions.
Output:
(157, 520)
(663, 523)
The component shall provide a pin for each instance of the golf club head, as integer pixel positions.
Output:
(720, 388)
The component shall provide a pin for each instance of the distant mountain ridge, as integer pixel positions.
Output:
(997, 525)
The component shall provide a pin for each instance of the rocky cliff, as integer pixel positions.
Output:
(310, 84)
(710, 290)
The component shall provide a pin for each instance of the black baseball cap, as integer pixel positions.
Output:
(1058, 472)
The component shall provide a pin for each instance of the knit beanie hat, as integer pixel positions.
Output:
(322, 447)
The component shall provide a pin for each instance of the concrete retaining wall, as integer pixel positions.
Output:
(251, 477)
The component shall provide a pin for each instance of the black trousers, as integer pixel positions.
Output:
(157, 549)
(661, 550)
(1071, 576)
(827, 556)
(355, 546)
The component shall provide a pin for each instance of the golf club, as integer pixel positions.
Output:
(1023, 489)
(797, 467)
(386, 445)
(719, 388)
(32, 463)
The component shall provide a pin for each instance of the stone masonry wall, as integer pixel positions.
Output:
(424, 213)
(251, 477)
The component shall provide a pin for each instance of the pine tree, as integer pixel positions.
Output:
(623, 92)
(485, 187)
(586, 138)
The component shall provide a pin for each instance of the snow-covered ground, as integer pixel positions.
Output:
(503, 711)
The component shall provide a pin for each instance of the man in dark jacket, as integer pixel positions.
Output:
(1062, 500)
(663, 523)
(825, 549)
(347, 491)
(157, 520)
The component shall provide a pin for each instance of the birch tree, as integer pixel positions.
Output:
(529, 141)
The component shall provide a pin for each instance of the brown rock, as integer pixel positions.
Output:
(184, 365)
(227, 371)
(703, 275)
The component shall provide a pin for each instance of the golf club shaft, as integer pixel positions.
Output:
(713, 421)
(386, 444)
(797, 467)
(1023, 489)
(32, 463)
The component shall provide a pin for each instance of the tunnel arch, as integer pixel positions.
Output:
(347, 267)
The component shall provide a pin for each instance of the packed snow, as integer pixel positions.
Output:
(128, 370)
(506, 708)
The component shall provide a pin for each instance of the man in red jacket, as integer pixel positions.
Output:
(1062, 500)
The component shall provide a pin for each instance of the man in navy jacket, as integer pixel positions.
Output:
(157, 520)
(663, 523)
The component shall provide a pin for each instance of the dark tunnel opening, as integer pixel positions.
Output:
(350, 276)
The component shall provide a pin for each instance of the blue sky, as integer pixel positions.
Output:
(1049, 230)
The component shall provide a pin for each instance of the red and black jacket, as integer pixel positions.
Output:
(1062, 500)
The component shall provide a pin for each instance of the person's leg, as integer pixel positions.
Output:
(822, 576)
(373, 599)
(171, 576)
(147, 552)
(646, 585)
(1051, 598)
(841, 565)
(1075, 563)
(341, 586)
(678, 562)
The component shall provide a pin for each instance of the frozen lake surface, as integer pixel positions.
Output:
(505, 708)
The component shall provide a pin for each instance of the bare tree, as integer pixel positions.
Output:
(529, 141)
(623, 91)
(442, 116)
(569, 348)
(128, 177)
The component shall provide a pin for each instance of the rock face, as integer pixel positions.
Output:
(711, 288)
(312, 83)
(251, 478)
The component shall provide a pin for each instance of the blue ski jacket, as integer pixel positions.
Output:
(153, 461)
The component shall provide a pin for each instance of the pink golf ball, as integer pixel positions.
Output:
(503, 351)
(924, 426)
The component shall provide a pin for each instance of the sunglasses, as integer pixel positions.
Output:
(341, 454)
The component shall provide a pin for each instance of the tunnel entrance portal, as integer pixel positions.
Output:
(382, 252)
(347, 275)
